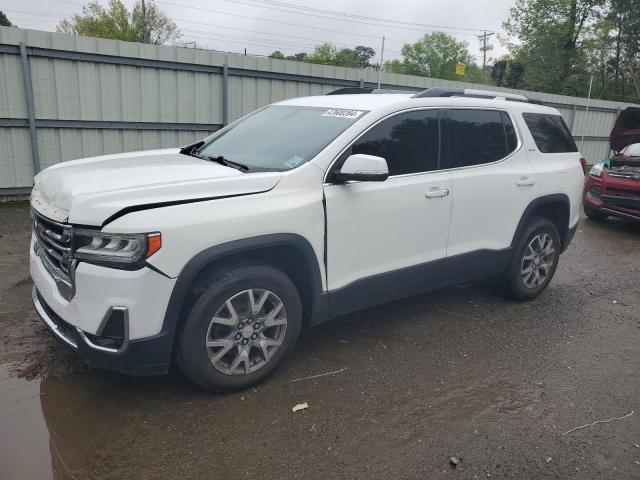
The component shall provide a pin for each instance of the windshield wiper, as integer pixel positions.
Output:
(226, 162)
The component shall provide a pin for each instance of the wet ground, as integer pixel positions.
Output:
(460, 373)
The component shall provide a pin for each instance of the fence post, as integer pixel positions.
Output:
(361, 83)
(31, 111)
(573, 117)
(225, 95)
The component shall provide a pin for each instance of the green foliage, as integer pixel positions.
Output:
(513, 75)
(434, 55)
(116, 22)
(4, 21)
(363, 56)
(560, 44)
(328, 54)
(550, 34)
(277, 54)
(324, 54)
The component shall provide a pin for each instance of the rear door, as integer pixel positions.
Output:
(493, 182)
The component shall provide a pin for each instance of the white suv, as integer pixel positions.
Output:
(217, 254)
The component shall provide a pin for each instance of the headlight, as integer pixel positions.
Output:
(118, 250)
(596, 170)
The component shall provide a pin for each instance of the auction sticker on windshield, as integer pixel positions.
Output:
(342, 113)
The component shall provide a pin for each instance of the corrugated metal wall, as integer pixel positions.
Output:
(94, 96)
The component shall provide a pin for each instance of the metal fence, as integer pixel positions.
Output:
(65, 97)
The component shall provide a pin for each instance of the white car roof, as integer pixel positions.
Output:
(385, 101)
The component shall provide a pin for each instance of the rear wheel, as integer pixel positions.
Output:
(535, 260)
(594, 214)
(240, 328)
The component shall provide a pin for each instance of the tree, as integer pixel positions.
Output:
(328, 54)
(549, 37)
(497, 72)
(364, 56)
(434, 55)
(116, 22)
(513, 75)
(4, 21)
(324, 54)
(625, 17)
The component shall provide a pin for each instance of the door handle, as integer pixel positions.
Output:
(525, 182)
(437, 193)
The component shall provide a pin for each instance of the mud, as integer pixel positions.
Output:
(461, 373)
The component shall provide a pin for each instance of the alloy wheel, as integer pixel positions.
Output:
(246, 331)
(538, 260)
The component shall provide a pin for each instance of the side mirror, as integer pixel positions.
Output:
(363, 168)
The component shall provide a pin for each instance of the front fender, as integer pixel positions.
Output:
(206, 258)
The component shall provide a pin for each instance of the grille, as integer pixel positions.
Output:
(623, 193)
(53, 246)
(595, 191)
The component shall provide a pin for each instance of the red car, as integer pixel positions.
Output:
(613, 187)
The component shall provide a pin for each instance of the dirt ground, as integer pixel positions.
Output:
(461, 373)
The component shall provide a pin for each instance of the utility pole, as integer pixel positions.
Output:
(381, 62)
(586, 113)
(484, 48)
(145, 32)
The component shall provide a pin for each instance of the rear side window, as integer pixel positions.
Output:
(410, 142)
(479, 136)
(550, 133)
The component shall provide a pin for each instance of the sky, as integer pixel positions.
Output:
(262, 26)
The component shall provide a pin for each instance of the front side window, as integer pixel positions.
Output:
(550, 133)
(479, 136)
(280, 137)
(409, 142)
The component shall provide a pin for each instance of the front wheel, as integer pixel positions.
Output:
(240, 328)
(535, 260)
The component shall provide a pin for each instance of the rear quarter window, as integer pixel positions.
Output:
(550, 133)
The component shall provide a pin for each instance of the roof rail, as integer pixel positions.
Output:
(356, 90)
(469, 92)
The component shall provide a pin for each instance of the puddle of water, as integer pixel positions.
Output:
(24, 438)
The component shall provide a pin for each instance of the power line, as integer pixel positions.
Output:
(263, 41)
(271, 43)
(220, 12)
(349, 15)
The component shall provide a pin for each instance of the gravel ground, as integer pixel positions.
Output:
(460, 373)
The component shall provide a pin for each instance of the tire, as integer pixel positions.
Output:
(520, 285)
(204, 353)
(594, 214)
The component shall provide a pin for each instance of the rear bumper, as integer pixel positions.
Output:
(148, 356)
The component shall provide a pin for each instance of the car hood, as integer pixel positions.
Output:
(91, 191)
(626, 130)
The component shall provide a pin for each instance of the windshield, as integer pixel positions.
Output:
(280, 137)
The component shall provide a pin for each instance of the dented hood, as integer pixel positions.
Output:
(91, 191)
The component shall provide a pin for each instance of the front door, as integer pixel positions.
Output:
(388, 239)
